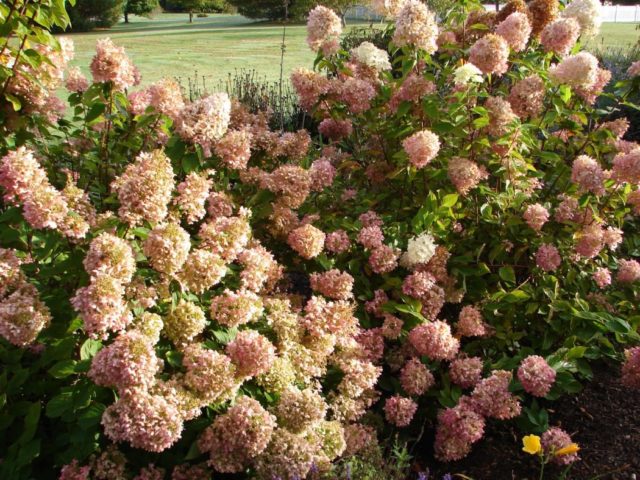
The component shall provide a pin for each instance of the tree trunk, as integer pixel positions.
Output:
(190, 16)
(126, 16)
(497, 5)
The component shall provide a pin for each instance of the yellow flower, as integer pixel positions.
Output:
(568, 450)
(531, 444)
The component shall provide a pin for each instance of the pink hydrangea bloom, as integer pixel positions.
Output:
(580, 70)
(536, 375)
(204, 121)
(371, 237)
(416, 26)
(602, 277)
(421, 147)
(560, 36)
(374, 306)
(335, 129)
(434, 340)
(322, 174)
(491, 397)
(628, 271)
(333, 284)
(251, 353)
(337, 242)
(357, 94)
(466, 372)
(233, 309)
(307, 241)
(515, 29)
(634, 69)
(310, 87)
(234, 149)
(465, 174)
(167, 247)
(323, 28)
(384, 259)
(587, 173)
(415, 377)
(490, 54)
(76, 82)
(626, 167)
(73, 471)
(399, 411)
(548, 258)
(457, 429)
(471, 323)
(144, 420)
(192, 195)
(392, 327)
(553, 440)
(527, 97)
(111, 64)
(536, 216)
(238, 436)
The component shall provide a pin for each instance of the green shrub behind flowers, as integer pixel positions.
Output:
(185, 290)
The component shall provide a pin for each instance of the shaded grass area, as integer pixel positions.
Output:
(169, 46)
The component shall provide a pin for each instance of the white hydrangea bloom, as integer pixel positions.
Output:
(588, 13)
(467, 73)
(419, 250)
(368, 54)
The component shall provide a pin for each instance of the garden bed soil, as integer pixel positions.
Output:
(604, 419)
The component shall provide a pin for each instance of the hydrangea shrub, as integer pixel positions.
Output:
(185, 291)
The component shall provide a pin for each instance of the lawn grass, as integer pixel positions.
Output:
(168, 46)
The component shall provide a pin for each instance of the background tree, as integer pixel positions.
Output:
(88, 14)
(192, 6)
(263, 9)
(139, 7)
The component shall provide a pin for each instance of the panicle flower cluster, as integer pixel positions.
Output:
(387, 8)
(536, 375)
(299, 410)
(233, 309)
(144, 189)
(310, 87)
(371, 237)
(587, 173)
(416, 26)
(434, 340)
(337, 242)
(167, 247)
(192, 195)
(501, 116)
(209, 373)
(602, 277)
(22, 314)
(251, 353)
(553, 440)
(490, 54)
(369, 55)
(201, 271)
(421, 147)
(238, 436)
(588, 14)
(307, 241)
(471, 323)
(226, 236)
(185, 322)
(415, 378)
(527, 97)
(626, 167)
(420, 249)
(631, 368)
(515, 29)
(560, 36)
(548, 258)
(399, 411)
(111, 64)
(323, 30)
(333, 284)
(129, 362)
(112, 256)
(165, 97)
(25, 183)
(465, 174)
(466, 372)
(322, 173)
(384, 259)
(73, 471)
(144, 420)
(234, 149)
(205, 120)
(458, 428)
(357, 94)
(76, 82)
(335, 129)
(414, 88)
(577, 71)
(491, 397)
(628, 271)
(536, 216)
(467, 73)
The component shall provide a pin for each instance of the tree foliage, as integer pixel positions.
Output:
(139, 7)
(89, 14)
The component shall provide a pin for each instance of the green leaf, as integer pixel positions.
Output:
(449, 200)
(507, 274)
(63, 369)
(58, 405)
(89, 349)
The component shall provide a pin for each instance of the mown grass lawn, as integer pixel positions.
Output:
(168, 46)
